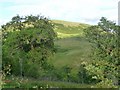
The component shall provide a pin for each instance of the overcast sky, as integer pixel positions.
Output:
(84, 11)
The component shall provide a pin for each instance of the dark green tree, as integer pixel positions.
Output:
(29, 40)
(105, 43)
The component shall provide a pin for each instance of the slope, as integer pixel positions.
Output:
(72, 48)
(67, 29)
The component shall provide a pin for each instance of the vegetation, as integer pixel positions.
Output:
(27, 42)
(40, 53)
(68, 29)
(105, 39)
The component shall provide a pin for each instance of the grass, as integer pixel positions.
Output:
(64, 35)
(71, 51)
(72, 47)
(32, 83)
(66, 29)
(68, 23)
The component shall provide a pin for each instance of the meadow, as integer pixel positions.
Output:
(72, 47)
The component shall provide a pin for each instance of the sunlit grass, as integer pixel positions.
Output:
(63, 35)
(68, 23)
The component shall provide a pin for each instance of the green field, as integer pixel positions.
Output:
(73, 48)
(71, 51)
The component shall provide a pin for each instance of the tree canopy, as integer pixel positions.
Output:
(28, 39)
(105, 42)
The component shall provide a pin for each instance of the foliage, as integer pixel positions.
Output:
(27, 42)
(28, 45)
(104, 37)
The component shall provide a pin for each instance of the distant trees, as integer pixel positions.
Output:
(26, 41)
(105, 42)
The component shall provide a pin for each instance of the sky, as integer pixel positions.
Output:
(83, 11)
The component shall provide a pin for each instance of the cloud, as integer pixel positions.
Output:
(84, 11)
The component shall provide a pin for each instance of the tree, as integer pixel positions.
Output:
(105, 43)
(29, 40)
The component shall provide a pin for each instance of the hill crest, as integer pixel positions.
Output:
(69, 23)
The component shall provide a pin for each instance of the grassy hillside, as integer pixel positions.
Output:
(72, 47)
(71, 52)
(68, 23)
(66, 29)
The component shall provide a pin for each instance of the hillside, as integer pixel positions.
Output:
(67, 29)
(72, 47)
(68, 23)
